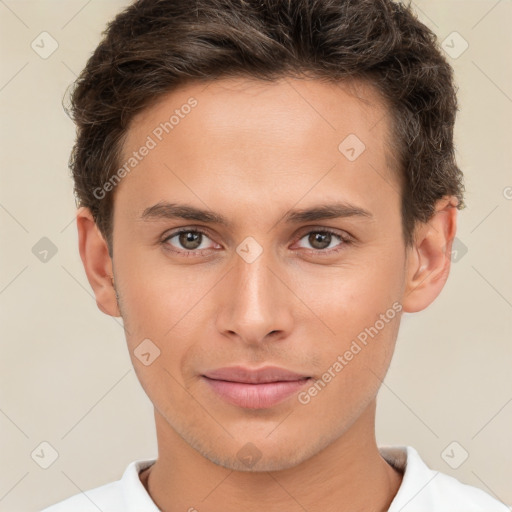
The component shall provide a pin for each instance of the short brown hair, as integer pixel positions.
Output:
(154, 46)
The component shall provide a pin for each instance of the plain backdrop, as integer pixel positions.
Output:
(66, 379)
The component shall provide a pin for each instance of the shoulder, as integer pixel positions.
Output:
(107, 497)
(424, 489)
(123, 495)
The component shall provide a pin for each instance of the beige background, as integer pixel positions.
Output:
(65, 374)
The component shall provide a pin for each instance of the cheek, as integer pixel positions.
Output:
(360, 306)
(155, 293)
(164, 304)
(354, 364)
(351, 296)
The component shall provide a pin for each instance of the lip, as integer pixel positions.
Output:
(255, 376)
(255, 389)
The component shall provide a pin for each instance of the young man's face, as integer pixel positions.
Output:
(266, 288)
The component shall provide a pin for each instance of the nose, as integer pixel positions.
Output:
(255, 305)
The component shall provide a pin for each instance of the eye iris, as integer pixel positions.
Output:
(323, 239)
(190, 240)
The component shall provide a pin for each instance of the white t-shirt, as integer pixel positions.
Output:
(422, 490)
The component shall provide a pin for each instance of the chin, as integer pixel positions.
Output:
(260, 456)
(263, 464)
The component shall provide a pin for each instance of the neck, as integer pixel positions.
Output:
(348, 475)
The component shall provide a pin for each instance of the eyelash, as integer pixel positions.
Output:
(345, 239)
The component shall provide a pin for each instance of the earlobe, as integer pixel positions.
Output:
(428, 261)
(97, 262)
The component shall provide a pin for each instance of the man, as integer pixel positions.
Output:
(264, 188)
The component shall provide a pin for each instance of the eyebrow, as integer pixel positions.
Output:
(166, 211)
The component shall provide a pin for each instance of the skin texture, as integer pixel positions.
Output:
(252, 151)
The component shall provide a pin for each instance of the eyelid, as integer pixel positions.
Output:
(345, 239)
(177, 231)
(324, 229)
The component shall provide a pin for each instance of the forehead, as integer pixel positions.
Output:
(289, 106)
(241, 135)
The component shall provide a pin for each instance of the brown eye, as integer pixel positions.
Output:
(190, 239)
(320, 240)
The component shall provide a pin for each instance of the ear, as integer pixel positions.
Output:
(428, 260)
(97, 262)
